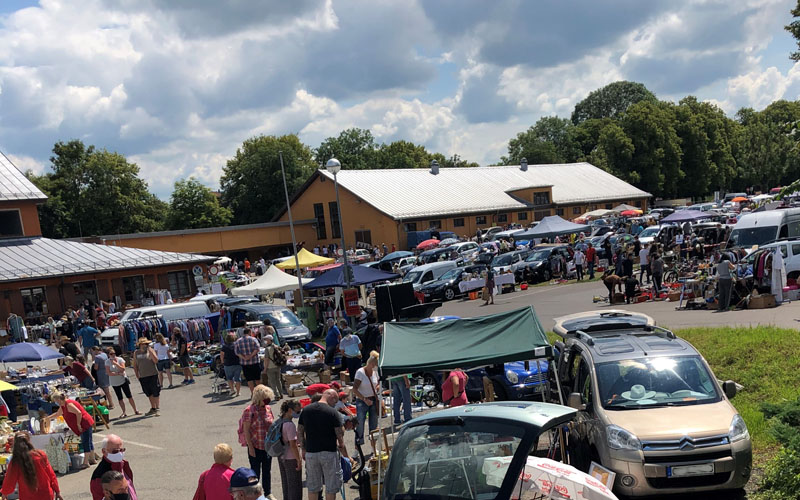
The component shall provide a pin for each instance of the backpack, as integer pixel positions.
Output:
(240, 431)
(278, 356)
(273, 443)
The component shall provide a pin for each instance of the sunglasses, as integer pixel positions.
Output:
(118, 450)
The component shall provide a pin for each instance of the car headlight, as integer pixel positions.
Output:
(620, 439)
(512, 377)
(738, 429)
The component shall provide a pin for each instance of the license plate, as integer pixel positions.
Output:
(690, 470)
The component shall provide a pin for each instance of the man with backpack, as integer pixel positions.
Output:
(274, 359)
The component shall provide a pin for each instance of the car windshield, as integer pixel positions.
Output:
(452, 274)
(443, 460)
(650, 231)
(538, 255)
(654, 382)
(412, 276)
(502, 260)
(753, 236)
(281, 319)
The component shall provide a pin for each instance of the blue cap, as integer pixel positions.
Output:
(243, 477)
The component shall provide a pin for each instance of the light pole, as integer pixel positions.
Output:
(291, 227)
(334, 166)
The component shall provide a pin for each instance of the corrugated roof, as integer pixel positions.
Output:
(14, 185)
(412, 193)
(30, 258)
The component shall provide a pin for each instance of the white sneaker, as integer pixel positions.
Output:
(271, 497)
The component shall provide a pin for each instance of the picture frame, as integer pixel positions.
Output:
(605, 476)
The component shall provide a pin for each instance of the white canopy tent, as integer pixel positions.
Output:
(272, 281)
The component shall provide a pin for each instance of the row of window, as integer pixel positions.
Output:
(319, 215)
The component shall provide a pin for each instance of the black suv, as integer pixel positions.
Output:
(537, 267)
(446, 287)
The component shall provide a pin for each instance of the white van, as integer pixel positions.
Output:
(428, 272)
(760, 228)
(169, 312)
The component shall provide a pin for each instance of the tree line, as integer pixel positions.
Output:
(684, 149)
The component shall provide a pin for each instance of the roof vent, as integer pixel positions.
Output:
(523, 164)
(434, 167)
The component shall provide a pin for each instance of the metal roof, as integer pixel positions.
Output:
(31, 258)
(14, 185)
(412, 193)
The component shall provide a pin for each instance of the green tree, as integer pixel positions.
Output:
(401, 154)
(193, 206)
(656, 159)
(614, 152)
(611, 101)
(794, 29)
(549, 140)
(252, 185)
(452, 162)
(94, 192)
(355, 148)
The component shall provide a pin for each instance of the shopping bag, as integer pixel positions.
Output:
(485, 293)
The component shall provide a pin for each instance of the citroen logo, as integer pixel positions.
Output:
(687, 443)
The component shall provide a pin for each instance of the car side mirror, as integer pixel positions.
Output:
(575, 400)
(729, 388)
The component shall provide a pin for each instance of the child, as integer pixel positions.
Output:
(631, 286)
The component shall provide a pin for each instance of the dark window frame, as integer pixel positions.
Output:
(502, 217)
(480, 220)
(319, 215)
(522, 215)
(129, 289)
(333, 212)
(458, 222)
(541, 198)
(176, 288)
(359, 237)
(435, 224)
(11, 223)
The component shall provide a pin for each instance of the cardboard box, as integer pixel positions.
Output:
(344, 378)
(674, 296)
(325, 377)
(296, 393)
(761, 302)
(293, 378)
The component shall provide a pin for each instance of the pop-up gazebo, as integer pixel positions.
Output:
(272, 281)
(550, 227)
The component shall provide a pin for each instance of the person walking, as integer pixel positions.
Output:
(230, 363)
(215, 483)
(30, 470)
(401, 395)
(725, 282)
(580, 259)
(164, 362)
(644, 264)
(657, 271)
(350, 347)
(489, 286)
(183, 356)
(144, 366)
(332, 339)
(273, 354)
(257, 417)
(591, 259)
(290, 462)
(112, 463)
(365, 389)
(320, 434)
(247, 348)
(79, 422)
(115, 368)
(100, 360)
(87, 335)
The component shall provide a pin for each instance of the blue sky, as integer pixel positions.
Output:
(178, 85)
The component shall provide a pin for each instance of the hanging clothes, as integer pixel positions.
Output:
(778, 278)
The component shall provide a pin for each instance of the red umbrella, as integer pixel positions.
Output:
(428, 244)
(739, 199)
(630, 213)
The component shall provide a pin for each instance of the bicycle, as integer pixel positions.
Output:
(426, 394)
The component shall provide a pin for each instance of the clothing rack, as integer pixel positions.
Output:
(194, 329)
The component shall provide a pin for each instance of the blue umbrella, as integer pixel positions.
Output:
(396, 255)
(361, 275)
(27, 351)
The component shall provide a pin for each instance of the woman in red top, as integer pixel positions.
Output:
(79, 422)
(454, 389)
(79, 371)
(30, 469)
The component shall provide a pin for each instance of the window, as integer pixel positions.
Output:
(364, 236)
(576, 210)
(10, 223)
(133, 287)
(411, 226)
(795, 249)
(319, 214)
(458, 222)
(560, 212)
(541, 214)
(522, 216)
(480, 220)
(179, 283)
(541, 198)
(333, 209)
(435, 224)
(608, 206)
(638, 203)
(502, 217)
(34, 302)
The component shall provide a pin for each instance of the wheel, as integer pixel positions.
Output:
(449, 294)
(670, 277)
(546, 275)
(432, 399)
(499, 391)
(429, 379)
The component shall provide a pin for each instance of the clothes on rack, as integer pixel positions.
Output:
(159, 297)
(199, 329)
(195, 329)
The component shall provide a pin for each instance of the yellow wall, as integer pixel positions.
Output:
(29, 213)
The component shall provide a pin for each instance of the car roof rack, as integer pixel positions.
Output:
(661, 332)
(585, 337)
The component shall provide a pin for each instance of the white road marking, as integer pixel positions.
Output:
(128, 441)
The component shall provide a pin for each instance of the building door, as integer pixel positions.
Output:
(84, 290)
(363, 239)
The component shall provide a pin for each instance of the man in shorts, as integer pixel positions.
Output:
(247, 348)
(320, 434)
(100, 359)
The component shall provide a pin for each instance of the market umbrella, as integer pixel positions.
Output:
(396, 255)
(361, 275)
(630, 213)
(27, 351)
(428, 244)
(739, 199)
(448, 241)
(547, 477)
(686, 215)
(5, 386)
(306, 259)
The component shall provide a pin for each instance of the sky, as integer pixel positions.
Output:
(178, 85)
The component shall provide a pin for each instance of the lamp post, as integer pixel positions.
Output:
(291, 227)
(334, 166)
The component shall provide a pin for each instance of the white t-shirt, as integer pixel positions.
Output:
(162, 351)
(367, 387)
(579, 258)
(643, 254)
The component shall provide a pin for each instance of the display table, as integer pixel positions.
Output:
(478, 283)
(53, 445)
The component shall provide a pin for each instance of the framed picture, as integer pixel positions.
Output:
(602, 474)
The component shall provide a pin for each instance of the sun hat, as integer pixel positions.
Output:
(243, 477)
(143, 340)
(638, 392)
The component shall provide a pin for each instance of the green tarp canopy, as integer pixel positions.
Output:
(462, 343)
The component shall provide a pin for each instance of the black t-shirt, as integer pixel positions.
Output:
(231, 359)
(182, 348)
(320, 422)
(72, 349)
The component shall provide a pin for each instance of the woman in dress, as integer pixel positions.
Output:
(79, 422)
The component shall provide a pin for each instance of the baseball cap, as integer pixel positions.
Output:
(243, 477)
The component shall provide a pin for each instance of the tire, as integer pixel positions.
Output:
(500, 393)
(449, 294)
(432, 399)
(428, 379)
(546, 275)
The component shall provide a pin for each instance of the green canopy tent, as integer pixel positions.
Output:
(462, 343)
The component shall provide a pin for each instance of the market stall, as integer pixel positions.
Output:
(550, 227)
(305, 259)
(272, 281)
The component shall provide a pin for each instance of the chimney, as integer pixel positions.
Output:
(523, 164)
(435, 167)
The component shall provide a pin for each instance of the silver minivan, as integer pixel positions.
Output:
(420, 275)
(169, 312)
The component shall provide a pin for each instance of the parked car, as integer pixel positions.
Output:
(488, 233)
(434, 255)
(426, 273)
(464, 248)
(509, 261)
(286, 324)
(405, 264)
(168, 312)
(537, 266)
(446, 287)
(661, 212)
(649, 407)
(361, 256)
(236, 279)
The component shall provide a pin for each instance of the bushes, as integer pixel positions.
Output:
(781, 479)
